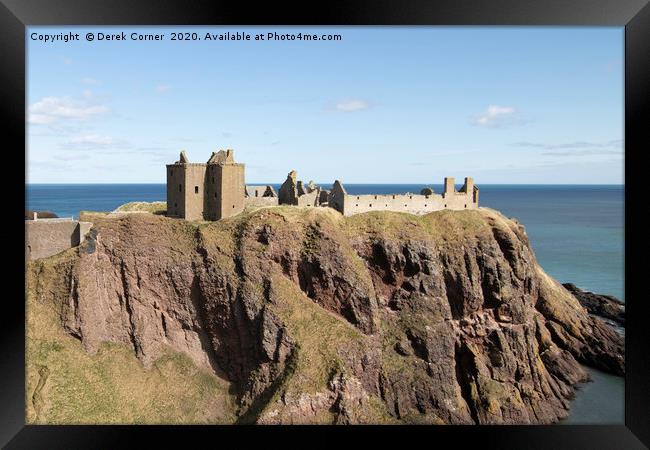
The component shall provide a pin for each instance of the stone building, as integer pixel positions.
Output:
(47, 237)
(423, 203)
(294, 192)
(217, 189)
(206, 191)
(261, 196)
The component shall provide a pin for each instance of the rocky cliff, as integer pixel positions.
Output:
(310, 317)
(607, 307)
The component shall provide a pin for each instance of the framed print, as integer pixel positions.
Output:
(366, 218)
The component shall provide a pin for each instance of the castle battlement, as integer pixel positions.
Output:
(216, 189)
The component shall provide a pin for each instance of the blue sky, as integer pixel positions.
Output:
(382, 105)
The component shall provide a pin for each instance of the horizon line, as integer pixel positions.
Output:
(344, 183)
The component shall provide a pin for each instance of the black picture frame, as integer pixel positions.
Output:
(634, 15)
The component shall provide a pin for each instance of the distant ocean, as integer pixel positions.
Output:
(577, 233)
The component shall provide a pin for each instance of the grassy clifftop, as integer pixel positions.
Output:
(300, 315)
(150, 207)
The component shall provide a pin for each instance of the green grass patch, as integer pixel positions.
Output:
(436, 226)
(150, 207)
(319, 333)
(112, 386)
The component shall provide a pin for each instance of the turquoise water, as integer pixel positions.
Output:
(598, 402)
(577, 232)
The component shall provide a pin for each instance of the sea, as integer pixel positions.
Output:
(576, 231)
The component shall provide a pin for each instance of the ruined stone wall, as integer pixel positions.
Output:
(466, 198)
(261, 201)
(231, 189)
(288, 193)
(47, 237)
(175, 190)
(309, 198)
(260, 191)
(336, 197)
(409, 203)
(263, 195)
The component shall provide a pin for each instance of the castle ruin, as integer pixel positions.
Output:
(261, 196)
(294, 192)
(206, 191)
(217, 190)
(423, 203)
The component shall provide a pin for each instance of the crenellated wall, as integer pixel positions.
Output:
(466, 198)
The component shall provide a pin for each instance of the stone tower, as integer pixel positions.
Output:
(225, 186)
(205, 191)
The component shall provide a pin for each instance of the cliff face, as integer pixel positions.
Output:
(316, 318)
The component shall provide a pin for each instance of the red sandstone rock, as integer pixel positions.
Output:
(455, 322)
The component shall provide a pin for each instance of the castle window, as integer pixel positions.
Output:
(256, 193)
(357, 197)
(425, 205)
(375, 197)
(175, 205)
(233, 206)
(393, 197)
(465, 206)
(445, 205)
(356, 204)
(196, 189)
(180, 188)
(370, 205)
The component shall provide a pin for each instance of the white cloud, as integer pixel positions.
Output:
(616, 143)
(93, 139)
(575, 152)
(49, 110)
(90, 80)
(71, 157)
(497, 116)
(352, 105)
(163, 87)
(94, 142)
(40, 119)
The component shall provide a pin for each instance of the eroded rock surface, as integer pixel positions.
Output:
(605, 306)
(316, 318)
